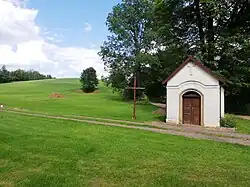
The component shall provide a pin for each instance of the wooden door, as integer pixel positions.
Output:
(191, 108)
(187, 110)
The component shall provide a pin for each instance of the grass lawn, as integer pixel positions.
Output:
(48, 152)
(34, 95)
(243, 126)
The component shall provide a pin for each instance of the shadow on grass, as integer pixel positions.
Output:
(115, 97)
(79, 90)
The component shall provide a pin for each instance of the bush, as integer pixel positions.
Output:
(128, 94)
(89, 80)
(144, 100)
(228, 121)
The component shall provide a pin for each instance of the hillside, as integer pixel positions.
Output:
(44, 151)
(63, 97)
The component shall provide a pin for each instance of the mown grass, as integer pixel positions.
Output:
(48, 152)
(243, 126)
(34, 95)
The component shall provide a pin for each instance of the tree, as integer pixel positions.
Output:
(4, 75)
(216, 32)
(18, 75)
(131, 33)
(209, 29)
(48, 77)
(89, 80)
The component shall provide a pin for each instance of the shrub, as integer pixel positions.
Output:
(228, 121)
(144, 100)
(89, 80)
(128, 94)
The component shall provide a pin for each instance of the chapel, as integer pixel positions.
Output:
(195, 95)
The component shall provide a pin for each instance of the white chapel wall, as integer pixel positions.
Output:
(197, 75)
(222, 102)
(203, 83)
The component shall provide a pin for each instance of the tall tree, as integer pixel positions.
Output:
(130, 25)
(215, 31)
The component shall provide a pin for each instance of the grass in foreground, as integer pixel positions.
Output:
(46, 152)
(34, 95)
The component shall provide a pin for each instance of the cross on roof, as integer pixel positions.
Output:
(190, 66)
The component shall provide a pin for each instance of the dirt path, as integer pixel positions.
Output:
(160, 105)
(243, 117)
(195, 135)
(111, 120)
(162, 125)
(201, 130)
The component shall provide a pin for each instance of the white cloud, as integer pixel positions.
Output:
(52, 36)
(17, 24)
(72, 59)
(24, 45)
(87, 27)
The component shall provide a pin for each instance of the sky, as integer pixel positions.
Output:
(55, 37)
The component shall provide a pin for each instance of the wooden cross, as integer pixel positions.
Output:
(135, 88)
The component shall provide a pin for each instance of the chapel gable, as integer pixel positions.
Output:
(192, 70)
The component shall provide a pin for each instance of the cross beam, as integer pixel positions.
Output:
(135, 88)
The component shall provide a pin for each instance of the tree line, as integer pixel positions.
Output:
(20, 75)
(149, 39)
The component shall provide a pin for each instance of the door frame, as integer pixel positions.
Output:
(201, 106)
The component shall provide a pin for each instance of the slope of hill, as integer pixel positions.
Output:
(39, 151)
(63, 97)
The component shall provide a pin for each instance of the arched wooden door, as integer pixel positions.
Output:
(191, 108)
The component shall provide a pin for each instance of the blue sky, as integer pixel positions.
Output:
(57, 37)
(69, 16)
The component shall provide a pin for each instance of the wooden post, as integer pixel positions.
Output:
(134, 88)
(134, 116)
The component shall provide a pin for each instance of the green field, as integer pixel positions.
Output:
(51, 152)
(34, 96)
(48, 152)
(243, 126)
